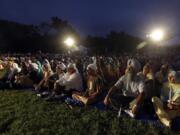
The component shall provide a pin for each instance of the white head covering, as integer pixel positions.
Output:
(29, 61)
(47, 64)
(175, 75)
(34, 66)
(94, 59)
(92, 66)
(172, 72)
(135, 64)
(16, 67)
(46, 61)
(72, 65)
(62, 66)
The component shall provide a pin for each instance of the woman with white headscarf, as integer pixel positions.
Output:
(94, 87)
(60, 73)
(47, 73)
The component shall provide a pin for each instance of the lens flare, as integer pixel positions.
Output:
(157, 35)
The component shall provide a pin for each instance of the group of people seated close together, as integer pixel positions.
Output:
(122, 82)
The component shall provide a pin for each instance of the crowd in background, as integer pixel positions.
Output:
(128, 81)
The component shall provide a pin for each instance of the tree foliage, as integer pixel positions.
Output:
(48, 36)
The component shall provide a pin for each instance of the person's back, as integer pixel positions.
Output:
(93, 83)
(73, 81)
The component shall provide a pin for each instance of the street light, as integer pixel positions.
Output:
(156, 38)
(70, 42)
(156, 35)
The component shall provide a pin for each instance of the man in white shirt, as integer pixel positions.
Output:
(72, 80)
(131, 86)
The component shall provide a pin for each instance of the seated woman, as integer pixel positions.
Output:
(94, 84)
(168, 107)
(47, 73)
(60, 73)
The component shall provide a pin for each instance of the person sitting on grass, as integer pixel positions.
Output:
(168, 107)
(132, 88)
(60, 71)
(59, 75)
(13, 70)
(147, 75)
(94, 84)
(4, 70)
(71, 82)
(29, 76)
(47, 73)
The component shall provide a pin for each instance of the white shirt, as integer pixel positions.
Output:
(15, 68)
(133, 88)
(61, 78)
(72, 81)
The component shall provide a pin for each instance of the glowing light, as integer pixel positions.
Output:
(157, 35)
(69, 42)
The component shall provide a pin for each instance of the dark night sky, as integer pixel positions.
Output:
(98, 17)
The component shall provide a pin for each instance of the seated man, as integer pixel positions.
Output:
(132, 88)
(72, 81)
(168, 107)
(94, 84)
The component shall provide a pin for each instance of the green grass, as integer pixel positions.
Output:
(22, 113)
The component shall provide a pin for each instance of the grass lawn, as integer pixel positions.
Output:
(22, 113)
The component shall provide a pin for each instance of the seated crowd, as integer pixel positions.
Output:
(120, 82)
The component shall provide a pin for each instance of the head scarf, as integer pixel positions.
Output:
(134, 64)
